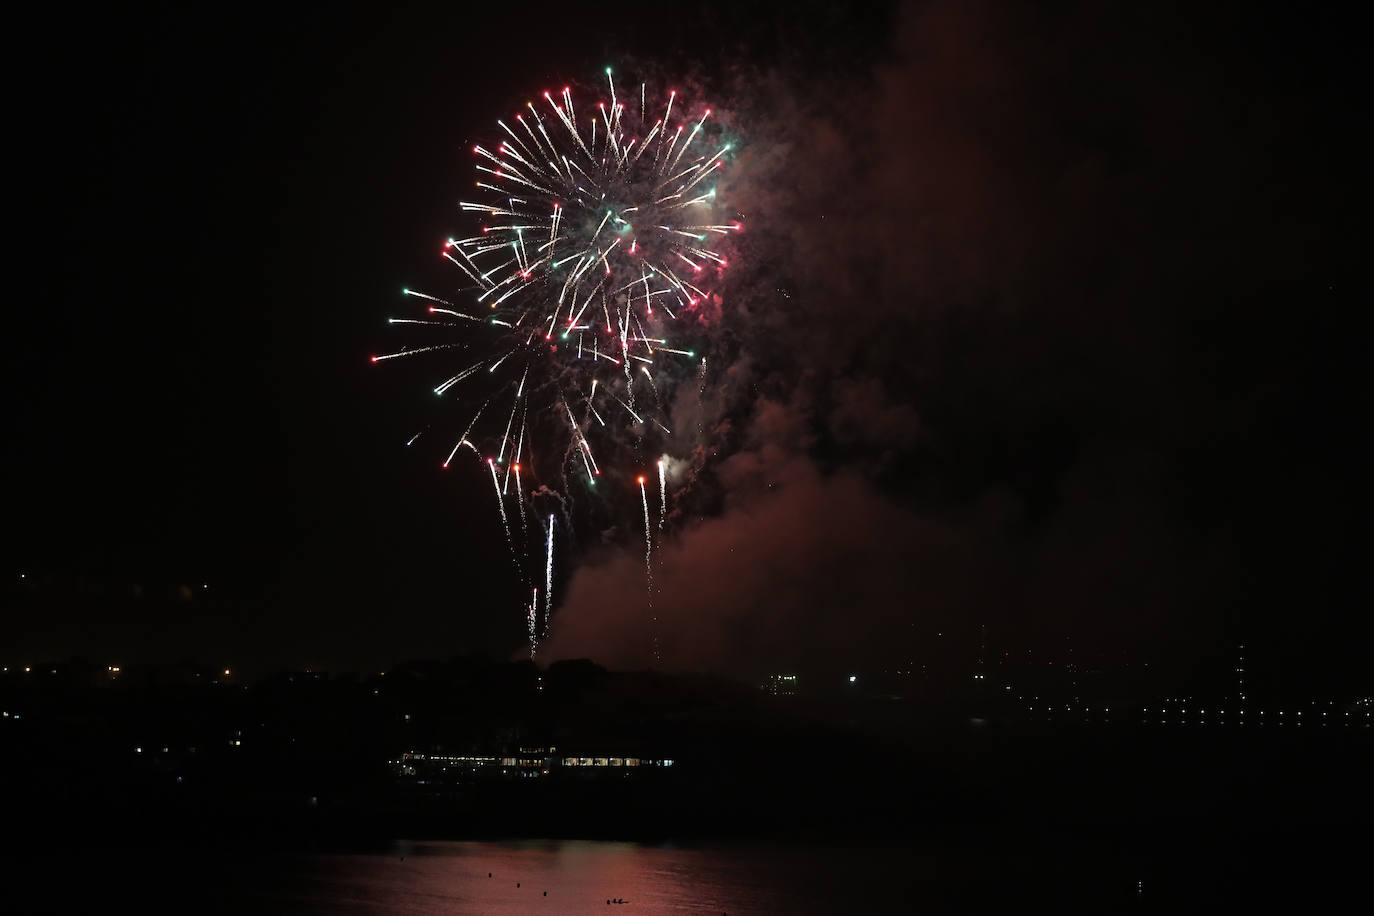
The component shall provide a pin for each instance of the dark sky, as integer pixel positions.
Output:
(1044, 319)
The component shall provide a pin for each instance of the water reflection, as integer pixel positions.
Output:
(557, 876)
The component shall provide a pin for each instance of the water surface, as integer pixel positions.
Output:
(574, 877)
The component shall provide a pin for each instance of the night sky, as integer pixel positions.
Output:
(1045, 319)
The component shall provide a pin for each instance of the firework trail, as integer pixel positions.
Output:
(648, 537)
(530, 621)
(662, 496)
(649, 569)
(701, 394)
(463, 439)
(548, 575)
(505, 521)
(594, 239)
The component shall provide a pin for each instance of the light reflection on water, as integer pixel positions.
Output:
(580, 876)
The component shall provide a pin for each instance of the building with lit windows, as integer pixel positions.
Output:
(780, 685)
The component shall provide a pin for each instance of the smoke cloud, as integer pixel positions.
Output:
(961, 384)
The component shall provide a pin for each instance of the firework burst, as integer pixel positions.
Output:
(573, 310)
